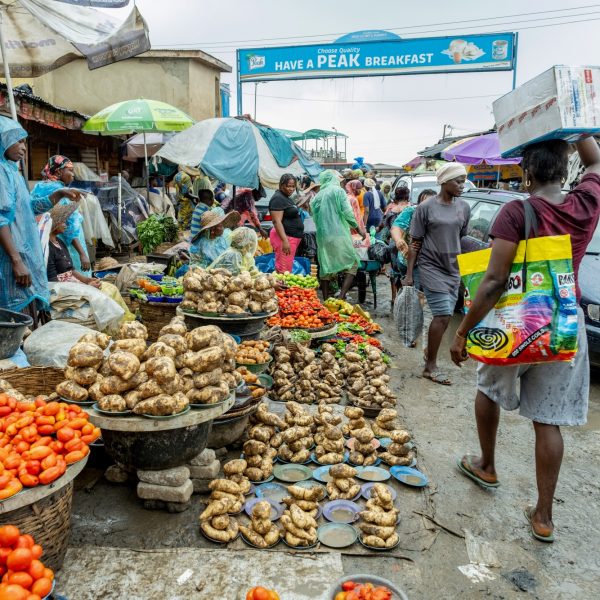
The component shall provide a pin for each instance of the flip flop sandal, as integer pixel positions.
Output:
(528, 512)
(438, 377)
(467, 470)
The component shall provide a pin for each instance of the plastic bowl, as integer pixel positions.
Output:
(397, 594)
(156, 277)
(256, 369)
(12, 330)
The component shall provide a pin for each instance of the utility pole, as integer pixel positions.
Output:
(256, 88)
(335, 141)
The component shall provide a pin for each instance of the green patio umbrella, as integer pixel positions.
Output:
(138, 116)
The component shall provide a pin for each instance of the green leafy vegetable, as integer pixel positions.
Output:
(155, 230)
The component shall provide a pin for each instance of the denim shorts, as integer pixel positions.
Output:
(441, 303)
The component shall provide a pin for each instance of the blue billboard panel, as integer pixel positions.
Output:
(485, 52)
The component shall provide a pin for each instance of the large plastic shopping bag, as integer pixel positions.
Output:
(408, 314)
(535, 320)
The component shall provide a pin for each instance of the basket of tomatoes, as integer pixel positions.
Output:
(39, 441)
(24, 575)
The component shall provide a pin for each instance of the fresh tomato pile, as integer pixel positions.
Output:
(38, 440)
(24, 576)
(261, 593)
(356, 338)
(370, 327)
(300, 308)
(363, 591)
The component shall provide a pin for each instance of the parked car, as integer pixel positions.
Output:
(422, 181)
(485, 205)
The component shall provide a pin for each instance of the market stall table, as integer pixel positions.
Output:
(246, 327)
(157, 444)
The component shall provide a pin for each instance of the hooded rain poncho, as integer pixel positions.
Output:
(16, 214)
(240, 256)
(333, 217)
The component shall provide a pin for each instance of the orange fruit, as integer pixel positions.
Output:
(19, 559)
(36, 551)
(36, 569)
(25, 541)
(9, 534)
(13, 592)
(42, 587)
(21, 578)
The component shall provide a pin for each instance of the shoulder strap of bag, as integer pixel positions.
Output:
(531, 225)
(531, 220)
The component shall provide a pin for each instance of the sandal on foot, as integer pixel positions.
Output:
(529, 511)
(437, 377)
(467, 468)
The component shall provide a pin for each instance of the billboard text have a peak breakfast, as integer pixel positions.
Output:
(338, 61)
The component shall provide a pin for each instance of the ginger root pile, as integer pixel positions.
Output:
(297, 439)
(328, 438)
(363, 453)
(398, 453)
(234, 471)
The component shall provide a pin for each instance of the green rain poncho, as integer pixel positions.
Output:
(333, 219)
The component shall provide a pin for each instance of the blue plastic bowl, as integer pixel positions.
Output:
(157, 277)
(173, 299)
(156, 298)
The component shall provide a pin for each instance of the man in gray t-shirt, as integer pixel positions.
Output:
(437, 226)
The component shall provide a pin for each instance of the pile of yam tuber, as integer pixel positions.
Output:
(378, 522)
(216, 523)
(261, 532)
(299, 520)
(342, 485)
(218, 291)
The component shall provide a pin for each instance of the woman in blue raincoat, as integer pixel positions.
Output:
(58, 175)
(23, 283)
(334, 218)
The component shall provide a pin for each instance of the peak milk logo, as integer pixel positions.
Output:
(255, 62)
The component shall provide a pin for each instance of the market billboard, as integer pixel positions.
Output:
(452, 54)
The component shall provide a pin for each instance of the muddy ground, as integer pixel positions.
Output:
(119, 550)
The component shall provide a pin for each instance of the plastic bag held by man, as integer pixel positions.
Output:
(408, 315)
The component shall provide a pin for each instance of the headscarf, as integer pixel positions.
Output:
(55, 164)
(17, 214)
(353, 187)
(450, 171)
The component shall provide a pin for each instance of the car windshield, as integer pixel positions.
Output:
(418, 186)
(594, 245)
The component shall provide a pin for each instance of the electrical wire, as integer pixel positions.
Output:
(223, 44)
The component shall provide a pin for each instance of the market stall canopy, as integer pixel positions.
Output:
(478, 150)
(137, 116)
(436, 150)
(311, 134)
(240, 152)
(134, 146)
(42, 35)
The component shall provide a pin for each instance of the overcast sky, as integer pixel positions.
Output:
(388, 119)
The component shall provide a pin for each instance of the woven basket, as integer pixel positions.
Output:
(155, 316)
(34, 380)
(48, 521)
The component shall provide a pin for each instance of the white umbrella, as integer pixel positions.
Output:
(37, 36)
(154, 142)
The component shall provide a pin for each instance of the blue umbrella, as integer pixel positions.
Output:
(239, 151)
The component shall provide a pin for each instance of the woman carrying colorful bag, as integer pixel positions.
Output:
(551, 393)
